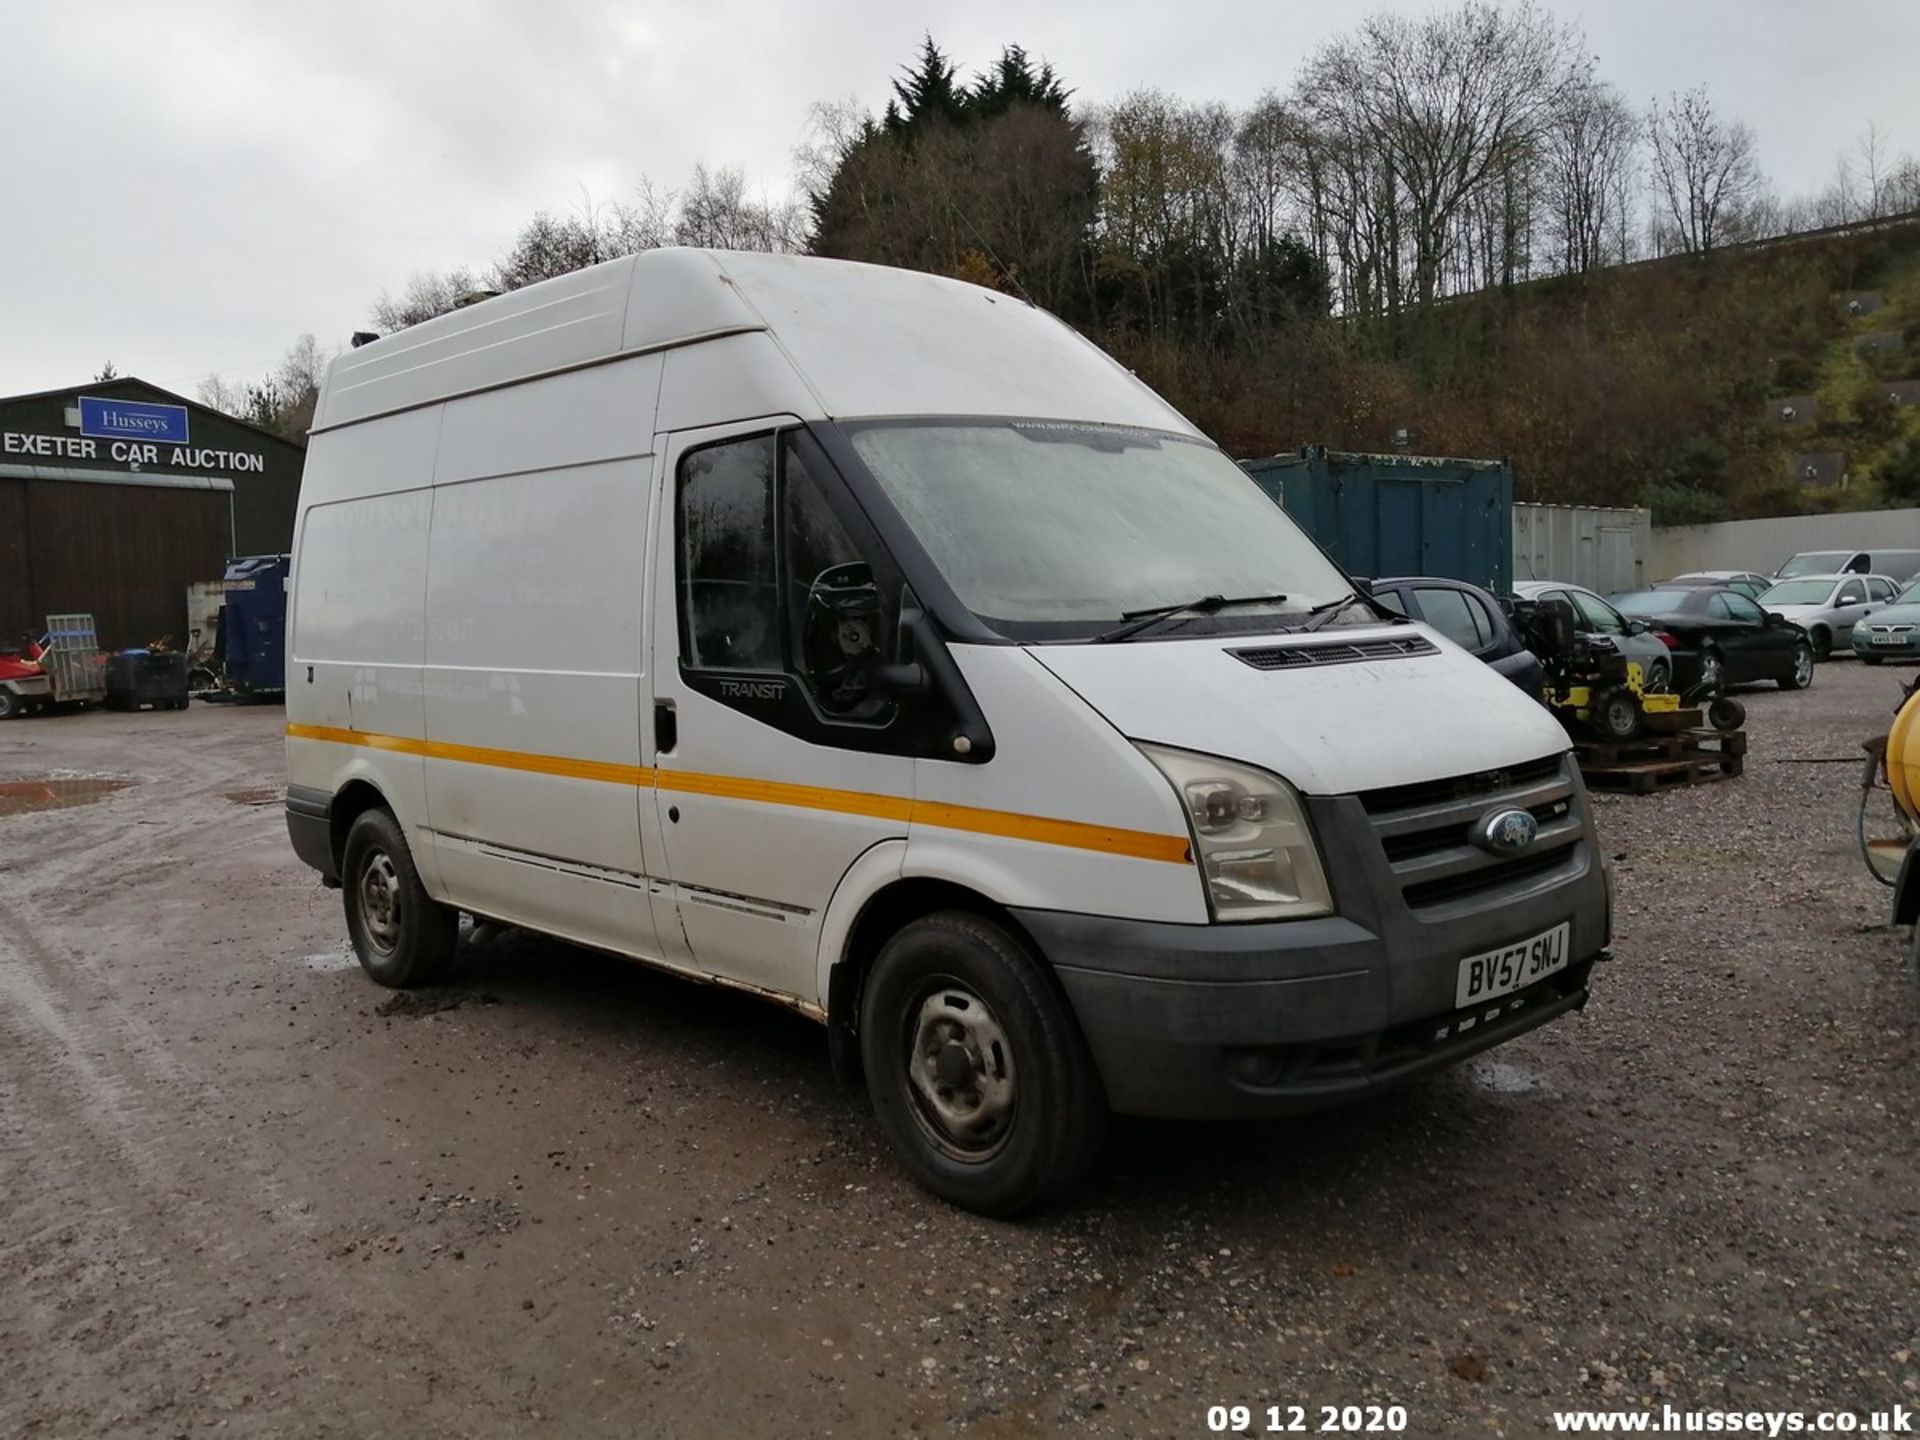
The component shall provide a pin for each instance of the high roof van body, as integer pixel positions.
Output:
(874, 643)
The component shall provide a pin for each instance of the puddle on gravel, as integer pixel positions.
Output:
(27, 797)
(258, 795)
(1503, 1079)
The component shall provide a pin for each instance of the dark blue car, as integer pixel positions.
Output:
(1468, 616)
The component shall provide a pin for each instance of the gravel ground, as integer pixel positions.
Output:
(243, 1189)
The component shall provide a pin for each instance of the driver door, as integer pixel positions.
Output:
(775, 770)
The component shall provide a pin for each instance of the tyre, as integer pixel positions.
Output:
(1615, 714)
(1801, 675)
(1713, 670)
(1822, 643)
(402, 936)
(12, 707)
(1726, 713)
(1659, 678)
(1865, 659)
(978, 1073)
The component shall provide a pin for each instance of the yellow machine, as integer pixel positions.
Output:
(1889, 825)
(1613, 709)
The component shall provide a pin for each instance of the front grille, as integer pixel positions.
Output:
(1427, 831)
(1340, 652)
(1482, 786)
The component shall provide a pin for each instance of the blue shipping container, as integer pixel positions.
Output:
(1380, 515)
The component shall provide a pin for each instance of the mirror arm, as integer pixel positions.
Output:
(971, 741)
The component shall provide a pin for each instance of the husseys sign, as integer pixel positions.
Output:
(132, 433)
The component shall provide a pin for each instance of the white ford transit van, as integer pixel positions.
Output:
(874, 643)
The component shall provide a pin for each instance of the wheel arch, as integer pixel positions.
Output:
(879, 916)
(353, 800)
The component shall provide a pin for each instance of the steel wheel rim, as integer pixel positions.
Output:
(959, 1070)
(1710, 670)
(1803, 665)
(379, 891)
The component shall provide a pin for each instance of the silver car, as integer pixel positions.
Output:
(1594, 616)
(1828, 606)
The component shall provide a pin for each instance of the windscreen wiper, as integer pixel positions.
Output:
(1323, 614)
(1138, 620)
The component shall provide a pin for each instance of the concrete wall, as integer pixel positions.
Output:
(1763, 544)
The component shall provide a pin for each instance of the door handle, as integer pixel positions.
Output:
(666, 726)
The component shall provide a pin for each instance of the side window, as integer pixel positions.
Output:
(838, 624)
(1720, 607)
(1879, 590)
(1455, 615)
(770, 580)
(1854, 592)
(1744, 610)
(729, 604)
(1596, 614)
(1393, 600)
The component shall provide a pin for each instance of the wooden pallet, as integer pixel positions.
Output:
(1658, 762)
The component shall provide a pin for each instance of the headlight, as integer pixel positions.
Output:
(1251, 838)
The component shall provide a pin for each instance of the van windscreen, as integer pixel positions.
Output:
(1051, 529)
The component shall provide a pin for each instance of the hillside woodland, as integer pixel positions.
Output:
(1449, 234)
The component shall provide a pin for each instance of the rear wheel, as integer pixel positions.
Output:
(978, 1074)
(1659, 678)
(1801, 675)
(11, 705)
(401, 934)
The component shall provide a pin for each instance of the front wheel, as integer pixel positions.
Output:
(1822, 644)
(402, 935)
(11, 705)
(978, 1074)
(1801, 675)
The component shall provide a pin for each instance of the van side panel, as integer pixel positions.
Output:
(358, 624)
(536, 654)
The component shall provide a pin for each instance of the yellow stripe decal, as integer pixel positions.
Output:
(1039, 829)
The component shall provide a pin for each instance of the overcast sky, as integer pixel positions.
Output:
(186, 187)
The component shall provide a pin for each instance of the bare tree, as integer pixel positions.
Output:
(427, 294)
(716, 212)
(1588, 156)
(1444, 101)
(1704, 171)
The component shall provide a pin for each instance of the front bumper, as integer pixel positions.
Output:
(1245, 1020)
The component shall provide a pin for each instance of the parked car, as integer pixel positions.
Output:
(1750, 583)
(1596, 617)
(1471, 618)
(1828, 606)
(1891, 632)
(1901, 565)
(1720, 637)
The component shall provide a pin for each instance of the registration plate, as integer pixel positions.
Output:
(1889, 639)
(1501, 972)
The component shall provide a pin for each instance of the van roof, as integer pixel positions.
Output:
(864, 340)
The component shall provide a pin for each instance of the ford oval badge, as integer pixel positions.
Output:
(1507, 832)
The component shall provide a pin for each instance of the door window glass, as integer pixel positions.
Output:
(838, 626)
(1392, 599)
(1854, 592)
(1597, 615)
(1720, 607)
(1455, 615)
(1744, 610)
(1879, 589)
(729, 603)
